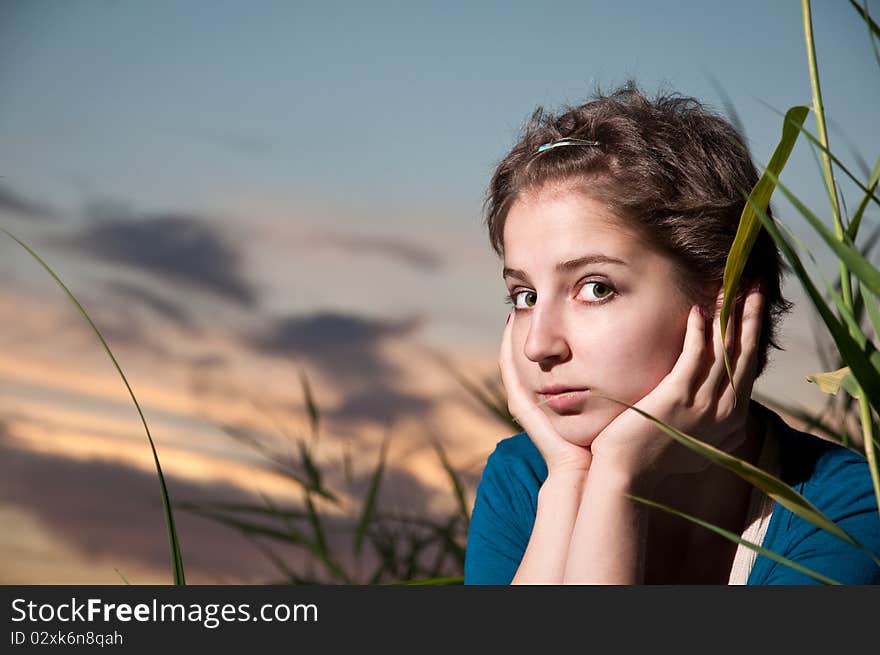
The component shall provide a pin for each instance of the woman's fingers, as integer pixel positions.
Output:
(716, 369)
(751, 322)
(689, 364)
(740, 342)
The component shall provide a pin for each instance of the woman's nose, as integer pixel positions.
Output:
(546, 337)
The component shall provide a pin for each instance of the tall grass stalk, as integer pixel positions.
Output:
(176, 558)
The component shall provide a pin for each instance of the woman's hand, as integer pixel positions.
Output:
(559, 454)
(695, 398)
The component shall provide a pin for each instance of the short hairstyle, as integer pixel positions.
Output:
(670, 169)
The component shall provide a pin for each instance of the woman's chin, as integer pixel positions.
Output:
(579, 430)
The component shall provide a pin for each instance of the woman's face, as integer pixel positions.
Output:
(596, 308)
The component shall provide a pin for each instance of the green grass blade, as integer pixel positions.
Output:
(174, 545)
(859, 362)
(311, 469)
(251, 528)
(372, 497)
(124, 579)
(321, 548)
(284, 519)
(311, 406)
(827, 168)
(291, 575)
(246, 508)
(870, 193)
(853, 228)
(873, 29)
(772, 486)
(872, 306)
(280, 467)
(750, 224)
(346, 464)
(863, 12)
(446, 534)
(846, 312)
(729, 107)
(845, 250)
(867, 422)
(317, 547)
(286, 472)
(457, 486)
(739, 540)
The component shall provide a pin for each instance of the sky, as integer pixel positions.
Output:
(238, 192)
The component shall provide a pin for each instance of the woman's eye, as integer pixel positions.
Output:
(600, 291)
(530, 297)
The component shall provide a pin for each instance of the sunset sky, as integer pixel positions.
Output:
(237, 192)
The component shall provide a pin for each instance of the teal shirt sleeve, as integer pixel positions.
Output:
(838, 482)
(504, 512)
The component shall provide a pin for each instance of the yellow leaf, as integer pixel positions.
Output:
(832, 381)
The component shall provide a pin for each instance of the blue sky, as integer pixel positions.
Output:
(232, 185)
(381, 103)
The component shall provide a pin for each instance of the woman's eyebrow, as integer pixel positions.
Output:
(568, 266)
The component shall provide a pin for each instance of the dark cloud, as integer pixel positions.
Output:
(106, 509)
(162, 306)
(347, 349)
(180, 248)
(210, 361)
(120, 325)
(379, 404)
(409, 254)
(17, 205)
(343, 344)
(90, 505)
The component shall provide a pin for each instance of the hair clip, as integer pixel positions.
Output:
(567, 142)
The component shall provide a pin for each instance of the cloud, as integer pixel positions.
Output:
(380, 404)
(105, 509)
(17, 205)
(90, 505)
(344, 344)
(409, 254)
(180, 248)
(162, 306)
(347, 349)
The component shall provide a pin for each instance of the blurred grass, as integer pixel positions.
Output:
(407, 549)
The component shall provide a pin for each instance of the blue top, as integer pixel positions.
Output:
(835, 479)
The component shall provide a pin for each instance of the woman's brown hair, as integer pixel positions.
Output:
(673, 171)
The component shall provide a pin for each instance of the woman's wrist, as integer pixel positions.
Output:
(626, 477)
(562, 482)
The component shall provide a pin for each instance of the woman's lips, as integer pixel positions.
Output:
(566, 401)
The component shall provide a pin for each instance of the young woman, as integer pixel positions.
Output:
(614, 220)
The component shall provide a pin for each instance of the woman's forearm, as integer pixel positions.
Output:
(608, 539)
(545, 555)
